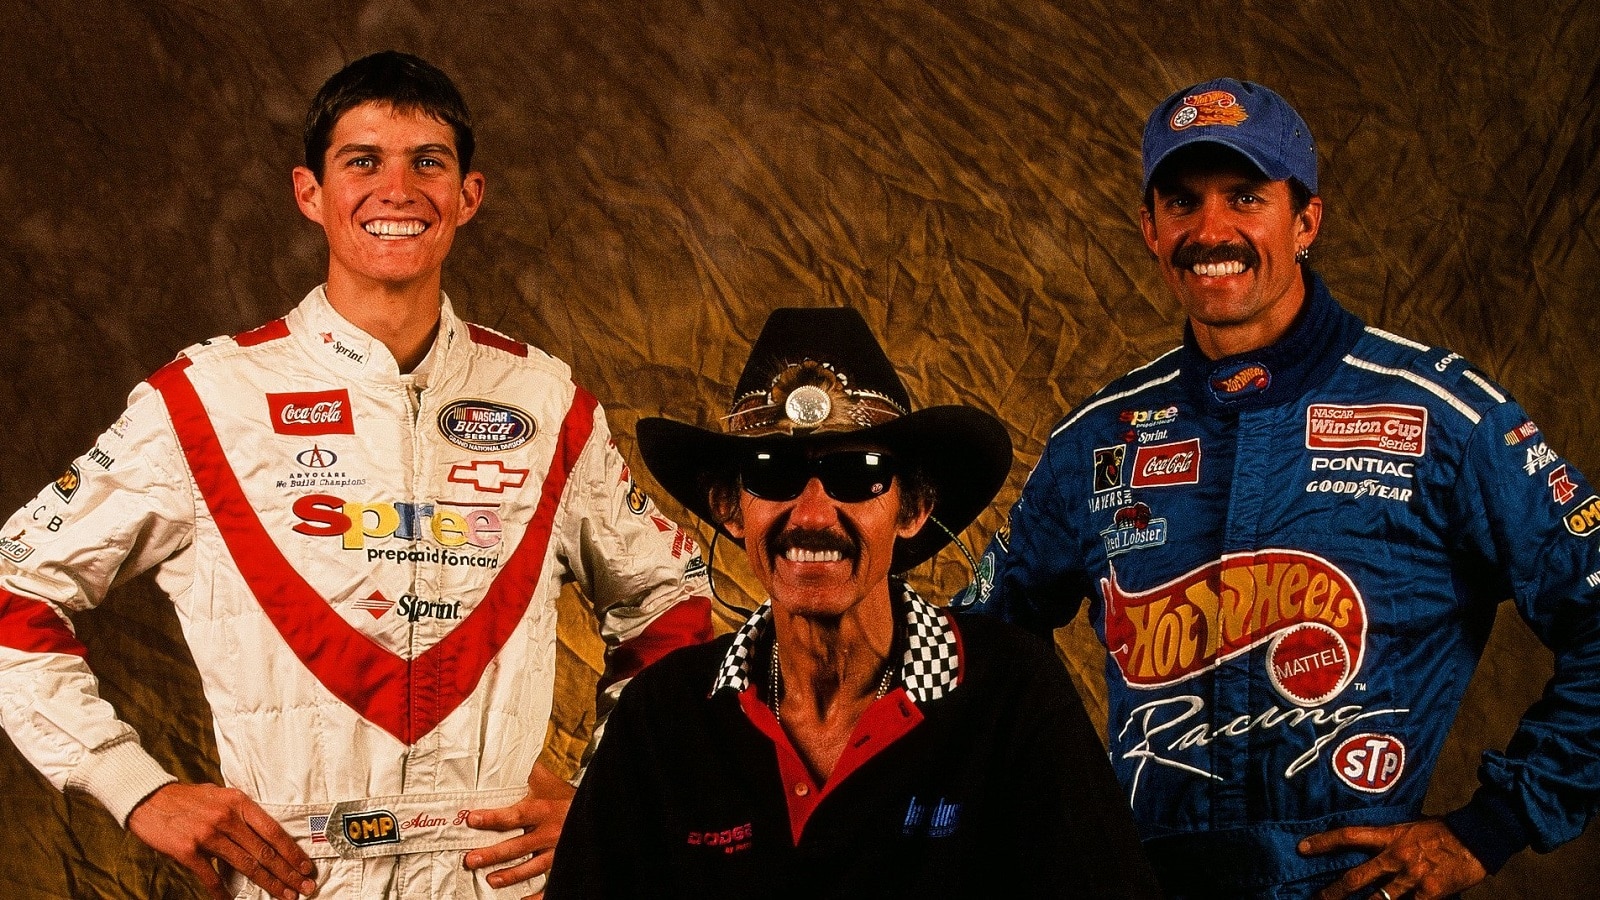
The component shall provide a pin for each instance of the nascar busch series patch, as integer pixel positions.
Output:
(1386, 427)
(1303, 607)
(483, 426)
(312, 412)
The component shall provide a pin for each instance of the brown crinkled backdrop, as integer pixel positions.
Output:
(663, 174)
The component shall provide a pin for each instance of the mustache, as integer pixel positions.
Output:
(848, 544)
(1190, 255)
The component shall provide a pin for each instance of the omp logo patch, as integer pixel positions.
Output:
(1217, 611)
(366, 829)
(1372, 763)
(311, 413)
(1386, 427)
(1584, 520)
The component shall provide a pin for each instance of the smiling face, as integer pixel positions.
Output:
(1226, 238)
(391, 197)
(818, 557)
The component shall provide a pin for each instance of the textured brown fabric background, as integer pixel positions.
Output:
(662, 174)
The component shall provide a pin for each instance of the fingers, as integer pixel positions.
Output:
(510, 849)
(532, 867)
(197, 823)
(1355, 837)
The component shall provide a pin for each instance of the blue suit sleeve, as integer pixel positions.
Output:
(1032, 573)
(1536, 520)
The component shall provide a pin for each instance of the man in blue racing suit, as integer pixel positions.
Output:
(1294, 531)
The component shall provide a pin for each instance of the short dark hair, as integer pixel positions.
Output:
(406, 82)
(1210, 156)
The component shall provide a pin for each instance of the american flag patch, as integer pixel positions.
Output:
(319, 824)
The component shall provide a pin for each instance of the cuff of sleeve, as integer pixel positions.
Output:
(1490, 827)
(120, 777)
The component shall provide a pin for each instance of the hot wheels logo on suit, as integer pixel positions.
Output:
(485, 427)
(1308, 611)
(312, 413)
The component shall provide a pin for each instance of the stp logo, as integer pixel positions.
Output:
(1370, 762)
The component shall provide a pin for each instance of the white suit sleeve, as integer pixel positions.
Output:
(121, 508)
(640, 570)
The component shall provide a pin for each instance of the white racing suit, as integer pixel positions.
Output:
(365, 566)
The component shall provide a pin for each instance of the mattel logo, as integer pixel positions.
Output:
(311, 413)
(1167, 464)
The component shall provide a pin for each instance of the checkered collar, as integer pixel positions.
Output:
(930, 668)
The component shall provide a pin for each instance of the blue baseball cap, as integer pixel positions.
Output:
(1239, 114)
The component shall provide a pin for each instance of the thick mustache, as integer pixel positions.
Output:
(1190, 255)
(847, 544)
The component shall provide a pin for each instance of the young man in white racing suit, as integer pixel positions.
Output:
(363, 513)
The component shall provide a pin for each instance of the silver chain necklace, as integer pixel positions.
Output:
(775, 686)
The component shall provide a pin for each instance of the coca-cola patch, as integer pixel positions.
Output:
(485, 427)
(312, 413)
(1167, 464)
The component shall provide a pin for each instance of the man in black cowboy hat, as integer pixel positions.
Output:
(855, 740)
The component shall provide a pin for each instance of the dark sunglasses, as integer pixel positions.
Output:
(848, 476)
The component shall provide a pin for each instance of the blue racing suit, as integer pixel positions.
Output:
(1294, 558)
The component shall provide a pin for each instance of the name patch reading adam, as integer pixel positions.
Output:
(485, 427)
(366, 829)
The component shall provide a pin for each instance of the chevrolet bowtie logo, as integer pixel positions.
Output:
(490, 476)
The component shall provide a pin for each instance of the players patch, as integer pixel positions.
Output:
(312, 413)
(1372, 763)
(1108, 467)
(485, 427)
(1162, 465)
(1386, 427)
(66, 487)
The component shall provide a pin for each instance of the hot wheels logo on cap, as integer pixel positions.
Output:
(1209, 108)
(1308, 609)
(312, 413)
(485, 427)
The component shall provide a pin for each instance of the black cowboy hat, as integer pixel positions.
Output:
(817, 375)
